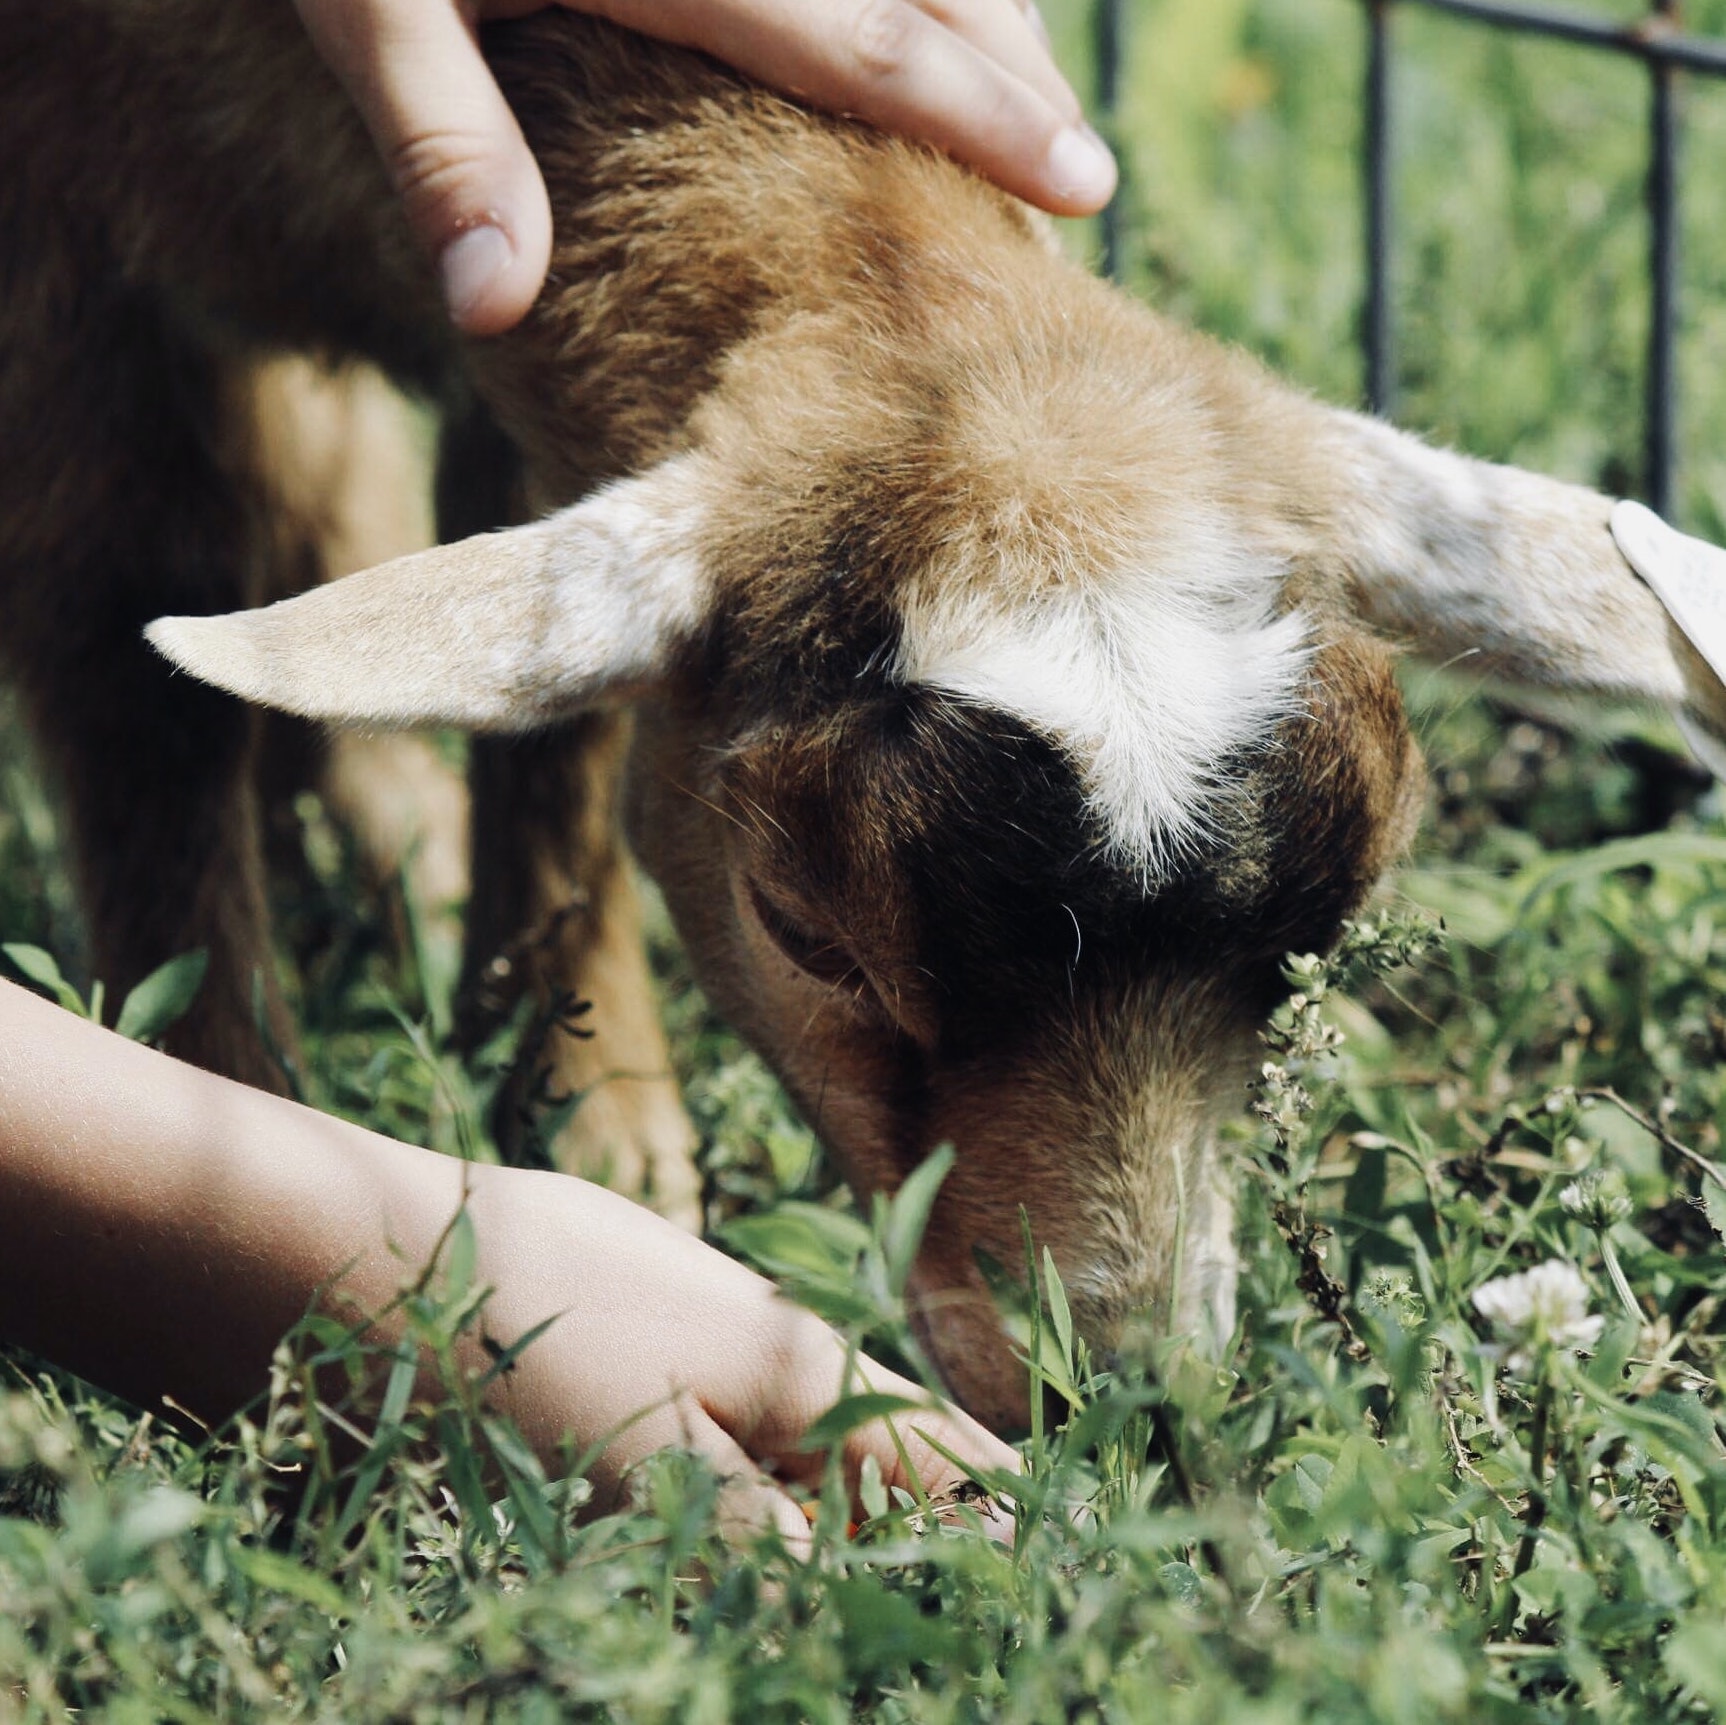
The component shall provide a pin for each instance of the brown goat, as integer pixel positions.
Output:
(1012, 668)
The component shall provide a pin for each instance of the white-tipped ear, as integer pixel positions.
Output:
(505, 631)
(1519, 575)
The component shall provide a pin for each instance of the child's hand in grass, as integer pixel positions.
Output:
(164, 1228)
(671, 1343)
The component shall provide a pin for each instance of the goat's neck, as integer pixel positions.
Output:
(695, 214)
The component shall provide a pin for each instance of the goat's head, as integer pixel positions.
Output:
(990, 775)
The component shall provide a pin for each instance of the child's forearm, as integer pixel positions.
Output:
(163, 1227)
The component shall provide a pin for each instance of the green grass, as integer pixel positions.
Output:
(1364, 1513)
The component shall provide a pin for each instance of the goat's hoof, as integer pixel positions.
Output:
(632, 1135)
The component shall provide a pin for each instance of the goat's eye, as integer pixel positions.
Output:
(821, 955)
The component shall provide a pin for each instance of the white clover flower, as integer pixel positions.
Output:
(1546, 1304)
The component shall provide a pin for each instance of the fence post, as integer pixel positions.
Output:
(1378, 334)
(1108, 46)
(1660, 442)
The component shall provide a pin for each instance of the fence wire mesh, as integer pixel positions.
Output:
(1657, 39)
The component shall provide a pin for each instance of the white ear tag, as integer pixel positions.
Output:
(1689, 578)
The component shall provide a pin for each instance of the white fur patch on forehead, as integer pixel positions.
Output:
(1150, 677)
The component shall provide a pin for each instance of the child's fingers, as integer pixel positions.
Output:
(1012, 36)
(452, 147)
(964, 75)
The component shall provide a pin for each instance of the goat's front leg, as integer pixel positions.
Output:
(556, 916)
(128, 491)
(350, 487)
(156, 781)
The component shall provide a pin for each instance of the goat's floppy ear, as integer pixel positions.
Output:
(1521, 576)
(504, 631)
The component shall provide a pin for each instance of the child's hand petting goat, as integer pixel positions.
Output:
(972, 77)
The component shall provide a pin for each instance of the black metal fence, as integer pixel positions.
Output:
(1657, 39)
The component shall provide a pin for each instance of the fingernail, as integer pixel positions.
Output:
(470, 264)
(1078, 168)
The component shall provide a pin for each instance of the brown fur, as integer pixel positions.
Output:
(886, 385)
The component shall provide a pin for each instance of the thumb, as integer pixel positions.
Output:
(452, 147)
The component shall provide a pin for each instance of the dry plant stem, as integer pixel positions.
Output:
(1465, 1462)
(1707, 1169)
(1302, 1236)
(1328, 1296)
